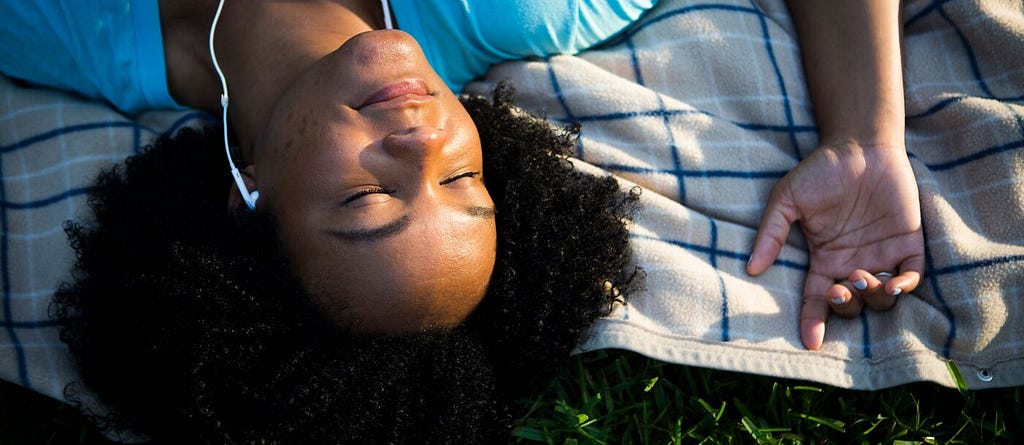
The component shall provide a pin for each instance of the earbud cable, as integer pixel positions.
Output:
(250, 199)
(387, 14)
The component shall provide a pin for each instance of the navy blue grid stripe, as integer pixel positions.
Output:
(705, 250)
(713, 259)
(671, 112)
(136, 140)
(924, 12)
(865, 340)
(29, 324)
(5, 275)
(786, 108)
(677, 163)
(634, 62)
(966, 267)
(185, 119)
(687, 10)
(968, 51)
(682, 172)
(50, 200)
(557, 88)
(933, 280)
(64, 131)
(942, 104)
(981, 154)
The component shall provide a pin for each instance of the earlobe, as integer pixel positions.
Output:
(235, 197)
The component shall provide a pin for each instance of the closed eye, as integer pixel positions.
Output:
(461, 176)
(365, 192)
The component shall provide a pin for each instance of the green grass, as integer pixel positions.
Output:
(614, 397)
(619, 397)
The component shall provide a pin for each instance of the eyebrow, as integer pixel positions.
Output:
(480, 211)
(399, 225)
(375, 234)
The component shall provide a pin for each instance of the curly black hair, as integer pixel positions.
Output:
(183, 317)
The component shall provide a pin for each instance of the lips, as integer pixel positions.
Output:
(398, 92)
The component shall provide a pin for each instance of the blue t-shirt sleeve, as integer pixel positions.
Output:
(462, 39)
(104, 49)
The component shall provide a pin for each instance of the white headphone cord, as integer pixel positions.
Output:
(249, 198)
(387, 14)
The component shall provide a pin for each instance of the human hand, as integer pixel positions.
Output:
(860, 213)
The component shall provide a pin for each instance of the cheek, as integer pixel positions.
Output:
(481, 256)
(357, 289)
(471, 267)
(308, 155)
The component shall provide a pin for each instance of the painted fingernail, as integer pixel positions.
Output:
(896, 292)
(838, 300)
(860, 284)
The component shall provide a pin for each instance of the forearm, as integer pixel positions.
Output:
(852, 62)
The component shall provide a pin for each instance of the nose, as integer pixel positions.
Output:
(417, 143)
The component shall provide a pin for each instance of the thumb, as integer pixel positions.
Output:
(779, 216)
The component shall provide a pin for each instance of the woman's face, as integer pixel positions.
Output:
(374, 173)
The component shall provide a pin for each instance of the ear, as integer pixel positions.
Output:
(235, 200)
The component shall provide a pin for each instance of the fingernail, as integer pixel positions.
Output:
(860, 284)
(896, 292)
(838, 300)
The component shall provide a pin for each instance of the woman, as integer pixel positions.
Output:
(285, 60)
(200, 320)
(276, 92)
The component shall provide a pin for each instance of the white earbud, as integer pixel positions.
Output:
(249, 198)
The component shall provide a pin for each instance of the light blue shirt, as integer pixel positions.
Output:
(113, 49)
(463, 38)
(102, 49)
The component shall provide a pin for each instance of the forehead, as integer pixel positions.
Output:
(421, 277)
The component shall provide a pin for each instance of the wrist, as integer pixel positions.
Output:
(867, 137)
(871, 153)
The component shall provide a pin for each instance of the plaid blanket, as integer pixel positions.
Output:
(703, 104)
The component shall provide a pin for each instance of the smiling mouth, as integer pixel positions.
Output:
(398, 92)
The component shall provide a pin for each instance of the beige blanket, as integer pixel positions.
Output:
(703, 104)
